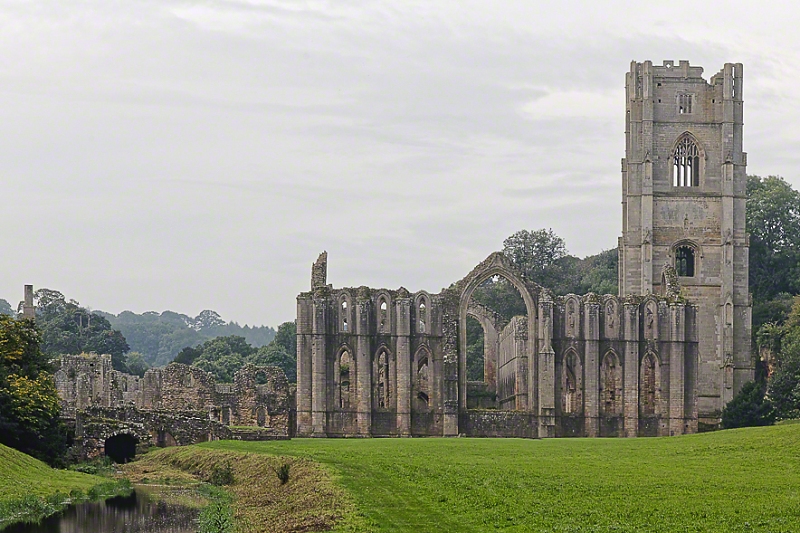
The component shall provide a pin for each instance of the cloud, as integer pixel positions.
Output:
(195, 155)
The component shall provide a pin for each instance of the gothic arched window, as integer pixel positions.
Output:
(648, 386)
(684, 261)
(686, 164)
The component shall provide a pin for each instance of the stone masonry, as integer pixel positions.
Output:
(89, 381)
(659, 359)
(684, 184)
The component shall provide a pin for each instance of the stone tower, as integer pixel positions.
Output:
(683, 204)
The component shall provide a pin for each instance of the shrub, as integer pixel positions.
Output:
(222, 474)
(283, 473)
(749, 408)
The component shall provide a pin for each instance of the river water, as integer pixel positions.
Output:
(137, 513)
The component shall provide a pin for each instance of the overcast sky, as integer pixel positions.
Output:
(200, 155)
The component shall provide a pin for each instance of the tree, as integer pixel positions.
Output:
(68, 328)
(160, 337)
(536, 253)
(5, 308)
(275, 354)
(773, 222)
(29, 404)
(136, 364)
(748, 408)
(287, 337)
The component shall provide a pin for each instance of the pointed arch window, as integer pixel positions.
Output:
(684, 261)
(346, 373)
(345, 314)
(648, 387)
(383, 316)
(686, 163)
(571, 385)
(422, 315)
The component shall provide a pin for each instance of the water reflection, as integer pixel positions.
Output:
(137, 513)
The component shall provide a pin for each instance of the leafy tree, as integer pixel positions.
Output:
(474, 350)
(5, 308)
(136, 364)
(748, 408)
(773, 221)
(275, 354)
(287, 337)
(536, 254)
(188, 355)
(160, 337)
(29, 405)
(223, 356)
(67, 328)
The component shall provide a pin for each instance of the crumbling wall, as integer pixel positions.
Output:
(259, 396)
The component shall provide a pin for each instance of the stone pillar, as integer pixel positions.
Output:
(546, 367)
(319, 373)
(403, 387)
(676, 369)
(630, 399)
(521, 364)
(28, 309)
(304, 385)
(363, 367)
(451, 378)
(591, 366)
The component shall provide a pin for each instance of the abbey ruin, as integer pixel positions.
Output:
(661, 358)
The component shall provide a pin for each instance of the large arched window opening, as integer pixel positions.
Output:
(686, 163)
(685, 261)
(496, 340)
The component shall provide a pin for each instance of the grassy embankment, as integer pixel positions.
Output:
(729, 481)
(30, 490)
(310, 501)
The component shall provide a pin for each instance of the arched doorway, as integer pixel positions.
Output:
(121, 448)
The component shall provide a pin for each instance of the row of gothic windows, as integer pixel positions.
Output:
(610, 385)
(383, 393)
(383, 316)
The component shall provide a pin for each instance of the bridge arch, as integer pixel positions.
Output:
(121, 447)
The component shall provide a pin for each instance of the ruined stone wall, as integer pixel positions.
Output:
(259, 396)
(374, 362)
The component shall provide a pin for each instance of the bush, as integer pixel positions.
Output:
(750, 407)
(283, 473)
(221, 474)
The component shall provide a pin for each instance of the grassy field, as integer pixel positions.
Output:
(730, 481)
(31, 489)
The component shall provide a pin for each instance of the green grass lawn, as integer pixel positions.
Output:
(21, 475)
(736, 480)
(29, 489)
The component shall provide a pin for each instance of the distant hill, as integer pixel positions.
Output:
(160, 336)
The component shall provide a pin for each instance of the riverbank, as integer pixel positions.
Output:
(310, 499)
(30, 490)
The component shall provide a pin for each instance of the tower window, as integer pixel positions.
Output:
(685, 104)
(686, 164)
(684, 261)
